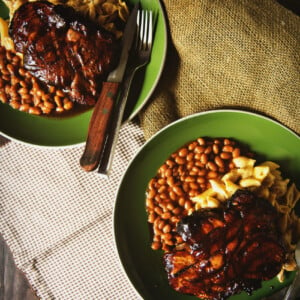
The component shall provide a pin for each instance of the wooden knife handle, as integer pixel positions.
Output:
(98, 126)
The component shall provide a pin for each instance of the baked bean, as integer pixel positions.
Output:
(35, 110)
(45, 110)
(151, 193)
(49, 104)
(208, 150)
(171, 181)
(68, 105)
(227, 142)
(181, 201)
(219, 162)
(13, 74)
(60, 93)
(216, 148)
(236, 152)
(156, 245)
(212, 174)
(198, 163)
(197, 156)
(188, 205)
(23, 91)
(6, 77)
(170, 163)
(193, 193)
(59, 109)
(160, 224)
(4, 71)
(173, 195)
(204, 158)
(158, 210)
(179, 160)
(183, 152)
(166, 215)
(149, 203)
(186, 186)
(151, 217)
(177, 210)
(190, 165)
(170, 206)
(212, 166)
(15, 104)
(169, 243)
(167, 228)
(163, 169)
(199, 149)
(178, 190)
(201, 141)
(192, 146)
(157, 231)
(162, 189)
(201, 180)
(193, 185)
(3, 98)
(226, 155)
(227, 148)
(202, 172)
(24, 107)
(9, 55)
(16, 60)
(22, 71)
(190, 157)
(58, 101)
(231, 165)
(168, 173)
(164, 196)
(190, 179)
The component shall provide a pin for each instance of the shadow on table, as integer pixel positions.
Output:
(13, 283)
(3, 141)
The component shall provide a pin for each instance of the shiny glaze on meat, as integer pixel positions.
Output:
(227, 250)
(63, 49)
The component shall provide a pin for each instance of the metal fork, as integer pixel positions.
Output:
(141, 57)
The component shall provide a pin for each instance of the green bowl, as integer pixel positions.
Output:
(143, 265)
(72, 130)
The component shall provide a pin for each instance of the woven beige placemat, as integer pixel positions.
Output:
(58, 219)
(229, 54)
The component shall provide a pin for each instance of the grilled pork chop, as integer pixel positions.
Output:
(64, 49)
(227, 250)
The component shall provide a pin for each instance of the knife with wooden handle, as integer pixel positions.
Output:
(100, 119)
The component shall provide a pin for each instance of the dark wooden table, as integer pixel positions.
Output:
(13, 283)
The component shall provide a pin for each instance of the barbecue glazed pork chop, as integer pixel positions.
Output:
(228, 250)
(64, 49)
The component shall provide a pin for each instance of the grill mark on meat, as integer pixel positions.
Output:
(227, 250)
(64, 49)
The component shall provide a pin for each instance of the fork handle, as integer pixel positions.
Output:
(98, 126)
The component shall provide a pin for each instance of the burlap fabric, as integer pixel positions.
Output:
(229, 54)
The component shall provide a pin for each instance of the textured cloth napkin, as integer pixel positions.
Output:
(58, 220)
(229, 54)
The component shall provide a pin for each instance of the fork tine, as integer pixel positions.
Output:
(150, 29)
(144, 29)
